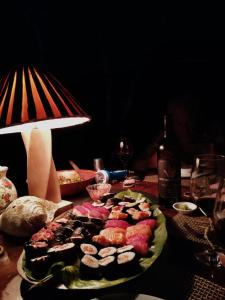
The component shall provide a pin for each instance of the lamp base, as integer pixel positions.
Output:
(42, 178)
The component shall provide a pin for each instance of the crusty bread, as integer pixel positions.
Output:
(26, 215)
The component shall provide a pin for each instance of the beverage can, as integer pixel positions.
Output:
(104, 176)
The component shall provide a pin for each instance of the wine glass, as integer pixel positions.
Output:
(207, 178)
(218, 223)
(124, 151)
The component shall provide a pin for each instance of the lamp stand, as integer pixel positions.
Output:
(41, 173)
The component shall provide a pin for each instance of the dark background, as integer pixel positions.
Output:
(122, 64)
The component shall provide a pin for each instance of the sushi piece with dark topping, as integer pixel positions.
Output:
(65, 252)
(107, 251)
(125, 249)
(89, 267)
(88, 249)
(39, 266)
(35, 249)
(128, 263)
(108, 267)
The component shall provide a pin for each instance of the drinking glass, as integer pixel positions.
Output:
(124, 151)
(218, 220)
(206, 179)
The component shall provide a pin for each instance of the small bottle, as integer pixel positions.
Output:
(169, 173)
(104, 176)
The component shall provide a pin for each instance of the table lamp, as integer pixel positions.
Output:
(34, 102)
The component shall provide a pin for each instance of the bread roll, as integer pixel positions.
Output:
(26, 215)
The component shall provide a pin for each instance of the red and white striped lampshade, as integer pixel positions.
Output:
(32, 99)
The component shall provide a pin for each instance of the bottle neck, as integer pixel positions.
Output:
(167, 126)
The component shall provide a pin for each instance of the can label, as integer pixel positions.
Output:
(103, 176)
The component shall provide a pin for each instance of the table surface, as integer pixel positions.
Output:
(170, 277)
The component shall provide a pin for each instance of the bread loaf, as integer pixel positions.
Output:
(26, 215)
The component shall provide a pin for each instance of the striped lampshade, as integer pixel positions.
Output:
(32, 99)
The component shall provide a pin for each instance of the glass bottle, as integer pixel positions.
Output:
(169, 166)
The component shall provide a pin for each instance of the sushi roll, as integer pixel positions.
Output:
(125, 249)
(39, 266)
(107, 196)
(108, 267)
(128, 263)
(65, 252)
(77, 236)
(82, 218)
(107, 251)
(98, 222)
(35, 249)
(91, 227)
(129, 199)
(88, 249)
(74, 224)
(89, 267)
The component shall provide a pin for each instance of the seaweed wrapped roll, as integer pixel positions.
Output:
(89, 267)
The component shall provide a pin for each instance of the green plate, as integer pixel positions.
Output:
(69, 275)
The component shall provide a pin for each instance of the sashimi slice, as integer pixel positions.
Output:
(150, 222)
(117, 223)
(103, 210)
(138, 229)
(95, 214)
(140, 244)
(79, 210)
(118, 215)
(115, 236)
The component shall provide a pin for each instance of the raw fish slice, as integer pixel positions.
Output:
(95, 214)
(118, 208)
(101, 240)
(53, 226)
(118, 215)
(103, 210)
(138, 229)
(79, 210)
(43, 235)
(117, 223)
(88, 206)
(115, 236)
(150, 222)
(140, 244)
(141, 215)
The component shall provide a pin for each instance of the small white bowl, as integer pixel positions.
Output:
(184, 207)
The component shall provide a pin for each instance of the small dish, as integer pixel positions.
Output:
(96, 191)
(184, 207)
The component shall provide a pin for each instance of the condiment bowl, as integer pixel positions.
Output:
(96, 191)
(184, 207)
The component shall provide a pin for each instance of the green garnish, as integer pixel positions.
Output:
(183, 207)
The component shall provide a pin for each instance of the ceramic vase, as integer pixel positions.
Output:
(8, 191)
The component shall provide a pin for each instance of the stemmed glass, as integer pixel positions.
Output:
(124, 151)
(218, 224)
(206, 184)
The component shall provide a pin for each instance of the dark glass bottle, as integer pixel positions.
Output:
(169, 174)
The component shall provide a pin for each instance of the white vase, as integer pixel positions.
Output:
(8, 191)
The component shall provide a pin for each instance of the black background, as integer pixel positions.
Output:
(123, 63)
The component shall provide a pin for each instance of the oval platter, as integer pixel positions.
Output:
(69, 275)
